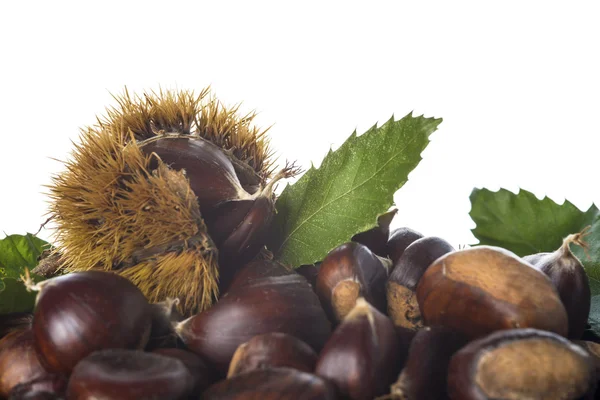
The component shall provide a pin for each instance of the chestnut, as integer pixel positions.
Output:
(350, 271)
(483, 289)
(201, 371)
(79, 313)
(425, 373)
(593, 350)
(18, 360)
(570, 279)
(361, 356)
(120, 374)
(272, 384)
(376, 238)
(269, 299)
(521, 364)
(272, 350)
(399, 240)
(402, 306)
(46, 387)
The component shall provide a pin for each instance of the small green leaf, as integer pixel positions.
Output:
(353, 185)
(14, 297)
(525, 225)
(18, 252)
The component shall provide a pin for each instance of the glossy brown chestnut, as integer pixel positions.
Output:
(120, 374)
(46, 387)
(281, 301)
(570, 279)
(210, 172)
(350, 271)
(424, 376)
(399, 240)
(272, 350)
(202, 374)
(593, 350)
(361, 356)
(18, 360)
(402, 306)
(79, 313)
(272, 384)
(484, 289)
(376, 238)
(521, 364)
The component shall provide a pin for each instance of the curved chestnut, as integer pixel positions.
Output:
(361, 356)
(376, 238)
(272, 350)
(399, 240)
(483, 289)
(46, 387)
(18, 360)
(272, 384)
(402, 304)
(570, 279)
(79, 313)
(521, 363)
(279, 302)
(348, 272)
(424, 376)
(201, 372)
(120, 374)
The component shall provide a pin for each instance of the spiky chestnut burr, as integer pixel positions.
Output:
(135, 197)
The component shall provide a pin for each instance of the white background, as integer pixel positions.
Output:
(517, 83)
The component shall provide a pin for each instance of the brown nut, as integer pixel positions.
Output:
(484, 289)
(593, 350)
(18, 360)
(521, 364)
(402, 306)
(348, 272)
(399, 240)
(272, 384)
(46, 387)
(361, 356)
(202, 373)
(272, 350)
(570, 279)
(376, 238)
(425, 373)
(120, 374)
(280, 302)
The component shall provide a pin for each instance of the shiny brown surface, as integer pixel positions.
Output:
(484, 289)
(272, 384)
(82, 312)
(521, 364)
(18, 360)
(278, 302)
(272, 350)
(424, 375)
(355, 263)
(399, 240)
(119, 374)
(362, 355)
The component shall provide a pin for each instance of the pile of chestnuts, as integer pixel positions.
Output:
(389, 315)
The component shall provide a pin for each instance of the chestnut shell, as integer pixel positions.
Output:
(79, 313)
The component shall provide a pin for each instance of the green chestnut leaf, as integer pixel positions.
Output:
(344, 196)
(18, 252)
